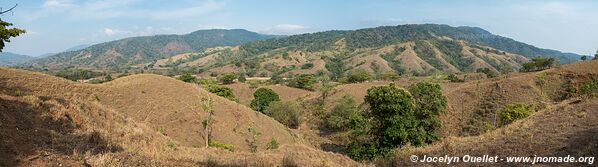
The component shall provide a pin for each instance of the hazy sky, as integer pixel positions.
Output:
(55, 25)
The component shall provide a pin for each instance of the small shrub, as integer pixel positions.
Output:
(307, 66)
(187, 78)
(171, 145)
(589, 87)
(514, 112)
(222, 91)
(454, 78)
(253, 141)
(242, 78)
(359, 76)
(228, 78)
(273, 144)
(389, 76)
(303, 81)
(285, 112)
(489, 73)
(217, 144)
(288, 161)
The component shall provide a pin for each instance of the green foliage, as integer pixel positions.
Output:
(242, 78)
(430, 103)
(7, 33)
(390, 58)
(254, 140)
(336, 66)
(188, 78)
(272, 144)
(584, 58)
(262, 99)
(489, 73)
(303, 81)
(389, 76)
(454, 78)
(343, 112)
(396, 118)
(217, 144)
(285, 112)
(307, 66)
(359, 76)
(222, 91)
(589, 87)
(538, 63)
(452, 53)
(426, 53)
(77, 74)
(514, 112)
(228, 78)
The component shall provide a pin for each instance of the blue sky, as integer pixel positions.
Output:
(55, 25)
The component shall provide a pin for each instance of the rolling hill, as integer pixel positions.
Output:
(139, 120)
(13, 59)
(406, 49)
(130, 51)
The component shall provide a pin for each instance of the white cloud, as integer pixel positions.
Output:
(57, 4)
(286, 29)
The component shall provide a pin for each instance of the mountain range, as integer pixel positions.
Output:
(418, 49)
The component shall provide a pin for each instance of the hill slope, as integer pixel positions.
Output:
(137, 50)
(140, 120)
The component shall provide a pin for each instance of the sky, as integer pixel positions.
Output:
(55, 25)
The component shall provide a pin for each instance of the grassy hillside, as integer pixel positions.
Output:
(12, 59)
(136, 50)
(140, 120)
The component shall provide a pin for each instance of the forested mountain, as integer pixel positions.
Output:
(406, 49)
(138, 50)
(11, 59)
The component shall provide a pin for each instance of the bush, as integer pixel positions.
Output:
(514, 112)
(285, 112)
(303, 81)
(342, 113)
(222, 91)
(430, 103)
(273, 144)
(187, 77)
(389, 76)
(489, 73)
(217, 144)
(307, 66)
(359, 76)
(262, 99)
(242, 78)
(454, 78)
(589, 87)
(227, 78)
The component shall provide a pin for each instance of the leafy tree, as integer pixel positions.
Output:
(342, 113)
(539, 63)
(389, 76)
(326, 89)
(359, 76)
(303, 81)
(595, 56)
(276, 78)
(285, 112)
(228, 78)
(454, 78)
(187, 77)
(7, 33)
(307, 66)
(584, 58)
(397, 117)
(262, 99)
(336, 67)
(430, 103)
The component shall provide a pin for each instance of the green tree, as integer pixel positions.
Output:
(285, 112)
(342, 113)
(584, 58)
(262, 99)
(7, 33)
(489, 73)
(389, 76)
(187, 77)
(242, 78)
(359, 76)
(595, 56)
(303, 81)
(430, 103)
(228, 78)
